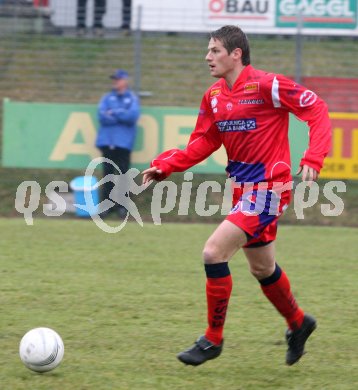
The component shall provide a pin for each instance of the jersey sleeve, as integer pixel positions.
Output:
(204, 140)
(308, 107)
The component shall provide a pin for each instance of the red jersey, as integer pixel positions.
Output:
(251, 120)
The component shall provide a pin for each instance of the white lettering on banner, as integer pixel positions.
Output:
(331, 8)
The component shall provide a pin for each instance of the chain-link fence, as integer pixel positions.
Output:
(40, 61)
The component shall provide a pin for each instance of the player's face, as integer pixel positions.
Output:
(220, 62)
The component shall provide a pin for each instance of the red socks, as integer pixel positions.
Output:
(277, 289)
(218, 291)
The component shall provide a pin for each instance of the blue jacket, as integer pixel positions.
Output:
(117, 116)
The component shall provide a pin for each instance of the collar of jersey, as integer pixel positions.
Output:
(242, 78)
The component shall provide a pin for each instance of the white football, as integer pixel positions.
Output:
(41, 349)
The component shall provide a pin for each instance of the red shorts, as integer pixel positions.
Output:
(257, 211)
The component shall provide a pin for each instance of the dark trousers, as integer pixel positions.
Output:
(126, 14)
(121, 157)
(99, 11)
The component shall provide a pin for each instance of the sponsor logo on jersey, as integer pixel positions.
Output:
(215, 92)
(214, 102)
(251, 87)
(307, 98)
(251, 101)
(229, 106)
(237, 125)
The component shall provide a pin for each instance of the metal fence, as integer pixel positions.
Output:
(40, 61)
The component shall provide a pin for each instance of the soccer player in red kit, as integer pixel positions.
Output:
(247, 111)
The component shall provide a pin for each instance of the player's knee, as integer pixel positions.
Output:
(212, 254)
(260, 271)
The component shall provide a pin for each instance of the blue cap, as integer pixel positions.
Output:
(119, 74)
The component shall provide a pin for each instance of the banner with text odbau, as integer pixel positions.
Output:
(39, 135)
(319, 17)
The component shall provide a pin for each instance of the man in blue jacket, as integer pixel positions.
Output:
(118, 113)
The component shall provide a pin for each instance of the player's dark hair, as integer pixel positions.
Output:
(232, 37)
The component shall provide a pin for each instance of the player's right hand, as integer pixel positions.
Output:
(309, 174)
(151, 174)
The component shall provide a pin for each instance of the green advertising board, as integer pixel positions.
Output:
(46, 135)
(336, 14)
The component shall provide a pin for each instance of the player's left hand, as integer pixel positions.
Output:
(309, 174)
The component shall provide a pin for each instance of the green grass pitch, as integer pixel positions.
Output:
(125, 304)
